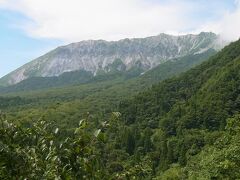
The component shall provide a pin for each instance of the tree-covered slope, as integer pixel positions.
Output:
(188, 112)
(37, 83)
(200, 82)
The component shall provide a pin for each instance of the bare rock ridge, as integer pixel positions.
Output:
(98, 56)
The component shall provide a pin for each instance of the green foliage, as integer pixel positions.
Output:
(221, 160)
(190, 110)
(173, 173)
(38, 153)
(116, 66)
(186, 127)
(36, 83)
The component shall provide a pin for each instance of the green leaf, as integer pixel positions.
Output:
(56, 130)
(97, 132)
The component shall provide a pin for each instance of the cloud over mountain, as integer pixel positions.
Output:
(75, 20)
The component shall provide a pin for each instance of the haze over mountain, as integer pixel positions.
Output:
(99, 56)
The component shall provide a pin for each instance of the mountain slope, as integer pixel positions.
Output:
(163, 96)
(161, 72)
(102, 56)
(188, 112)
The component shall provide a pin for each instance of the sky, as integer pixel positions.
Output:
(30, 28)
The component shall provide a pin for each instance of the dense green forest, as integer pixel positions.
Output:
(184, 127)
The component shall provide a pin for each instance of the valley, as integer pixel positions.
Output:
(178, 119)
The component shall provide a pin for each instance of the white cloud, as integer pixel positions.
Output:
(2, 2)
(228, 26)
(75, 20)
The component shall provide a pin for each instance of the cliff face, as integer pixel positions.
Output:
(103, 56)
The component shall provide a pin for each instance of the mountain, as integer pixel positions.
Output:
(129, 79)
(101, 56)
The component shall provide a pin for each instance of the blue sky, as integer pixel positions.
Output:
(16, 47)
(30, 28)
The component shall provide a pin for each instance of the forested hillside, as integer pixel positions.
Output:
(185, 127)
(188, 113)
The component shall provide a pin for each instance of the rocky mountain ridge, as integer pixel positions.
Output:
(100, 56)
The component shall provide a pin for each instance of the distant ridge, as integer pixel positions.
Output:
(99, 56)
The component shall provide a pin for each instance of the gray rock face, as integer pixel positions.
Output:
(97, 55)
